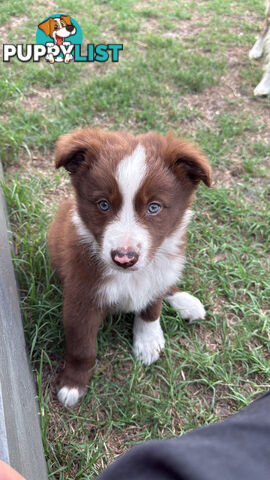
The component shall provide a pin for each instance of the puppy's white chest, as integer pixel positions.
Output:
(134, 291)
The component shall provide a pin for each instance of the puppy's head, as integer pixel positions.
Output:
(58, 28)
(133, 193)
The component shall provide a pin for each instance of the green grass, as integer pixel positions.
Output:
(210, 369)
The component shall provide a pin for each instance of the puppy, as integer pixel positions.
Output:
(59, 29)
(262, 45)
(119, 244)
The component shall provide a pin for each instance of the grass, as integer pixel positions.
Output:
(184, 67)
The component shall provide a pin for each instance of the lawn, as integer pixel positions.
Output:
(184, 67)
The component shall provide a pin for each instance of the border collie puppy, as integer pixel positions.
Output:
(119, 244)
(262, 45)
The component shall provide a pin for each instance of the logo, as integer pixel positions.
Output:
(59, 33)
(59, 40)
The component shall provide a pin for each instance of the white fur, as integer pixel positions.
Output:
(133, 291)
(189, 307)
(85, 236)
(263, 88)
(262, 45)
(148, 340)
(257, 49)
(69, 396)
(82, 231)
(126, 231)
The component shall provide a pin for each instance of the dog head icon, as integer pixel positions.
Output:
(58, 28)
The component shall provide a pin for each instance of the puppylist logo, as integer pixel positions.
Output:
(59, 40)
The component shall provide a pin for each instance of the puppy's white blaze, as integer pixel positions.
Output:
(126, 230)
(69, 396)
(130, 173)
(148, 340)
(189, 307)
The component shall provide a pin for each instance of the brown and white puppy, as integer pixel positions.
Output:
(119, 244)
(262, 46)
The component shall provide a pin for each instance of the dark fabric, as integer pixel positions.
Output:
(235, 449)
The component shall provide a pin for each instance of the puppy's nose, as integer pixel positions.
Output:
(69, 28)
(124, 257)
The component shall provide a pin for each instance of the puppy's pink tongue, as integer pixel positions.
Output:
(59, 40)
(122, 259)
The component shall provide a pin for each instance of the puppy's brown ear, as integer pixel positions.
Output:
(47, 27)
(66, 19)
(187, 161)
(77, 150)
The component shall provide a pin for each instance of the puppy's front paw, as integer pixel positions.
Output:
(148, 340)
(189, 307)
(68, 58)
(262, 89)
(71, 385)
(69, 396)
(256, 51)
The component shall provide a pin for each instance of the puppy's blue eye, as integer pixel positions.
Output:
(153, 208)
(104, 205)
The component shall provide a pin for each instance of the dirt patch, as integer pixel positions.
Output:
(13, 24)
(42, 165)
(222, 405)
(184, 28)
(223, 177)
(212, 341)
(229, 97)
(34, 100)
(48, 5)
(224, 408)
(190, 27)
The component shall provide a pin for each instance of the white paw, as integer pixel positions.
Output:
(50, 58)
(148, 340)
(189, 307)
(263, 88)
(69, 396)
(68, 58)
(256, 51)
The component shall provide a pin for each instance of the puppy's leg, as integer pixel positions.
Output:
(263, 88)
(81, 322)
(190, 307)
(148, 338)
(258, 47)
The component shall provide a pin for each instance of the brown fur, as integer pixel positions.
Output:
(153, 311)
(82, 317)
